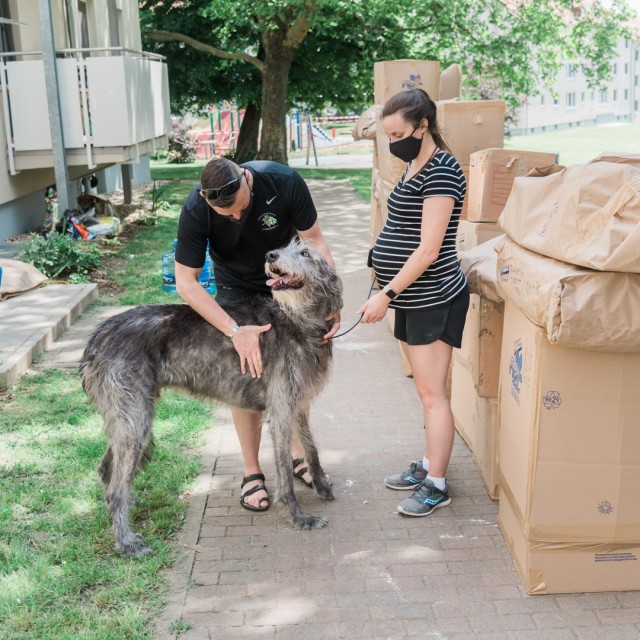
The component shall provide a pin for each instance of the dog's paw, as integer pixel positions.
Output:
(324, 490)
(134, 546)
(307, 522)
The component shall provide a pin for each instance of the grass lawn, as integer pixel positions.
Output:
(60, 577)
(581, 144)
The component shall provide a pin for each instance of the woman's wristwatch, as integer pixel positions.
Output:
(389, 292)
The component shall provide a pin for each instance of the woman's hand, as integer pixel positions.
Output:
(247, 343)
(375, 308)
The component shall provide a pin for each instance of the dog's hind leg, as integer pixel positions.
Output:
(128, 429)
(281, 428)
(320, 481)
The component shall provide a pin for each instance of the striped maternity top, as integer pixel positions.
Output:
(443, 280)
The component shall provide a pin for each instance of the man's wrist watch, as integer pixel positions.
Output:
(233, 331)
(389, 292)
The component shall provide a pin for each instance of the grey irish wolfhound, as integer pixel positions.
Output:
(131, 357)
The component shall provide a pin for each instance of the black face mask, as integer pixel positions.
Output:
(406, 149)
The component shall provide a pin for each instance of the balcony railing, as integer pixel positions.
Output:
(114, 106)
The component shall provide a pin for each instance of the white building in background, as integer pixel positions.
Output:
(114, 101)
(575, 104)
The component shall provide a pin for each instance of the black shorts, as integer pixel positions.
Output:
(424, 326)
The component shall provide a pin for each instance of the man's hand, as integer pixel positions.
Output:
(335, 318)
(247, 343)
(375, 308)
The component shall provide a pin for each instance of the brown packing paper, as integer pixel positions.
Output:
(479, 266)
(450, 80)
(568, 416)
(365, 127)
(588, 215)
(577, 307)
(18, 277)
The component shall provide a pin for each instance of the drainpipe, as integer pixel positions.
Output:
(53, 102)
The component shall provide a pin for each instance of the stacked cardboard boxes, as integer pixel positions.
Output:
(568, 444)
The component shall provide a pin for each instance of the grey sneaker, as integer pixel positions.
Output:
(425, 500)
(408, 479)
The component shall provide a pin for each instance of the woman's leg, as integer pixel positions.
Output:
(430, 365)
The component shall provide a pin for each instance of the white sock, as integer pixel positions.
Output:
(425, 463)
(440, 483)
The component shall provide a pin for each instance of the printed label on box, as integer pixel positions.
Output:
(515, 371)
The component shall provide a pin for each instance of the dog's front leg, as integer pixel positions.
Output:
(320, 480)
(280, 425)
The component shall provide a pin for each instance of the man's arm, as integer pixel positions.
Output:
(245, 339)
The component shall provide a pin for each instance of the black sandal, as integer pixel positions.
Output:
(258, 487)
(298, 474)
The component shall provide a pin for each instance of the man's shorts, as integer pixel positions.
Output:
(424, 326)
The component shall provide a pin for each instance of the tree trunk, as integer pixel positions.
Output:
(275, 80)
(247, 145)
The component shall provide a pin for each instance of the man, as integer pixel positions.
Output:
(244, 212)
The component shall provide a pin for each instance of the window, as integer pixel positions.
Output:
(635, 105)
(555, 102)
(626, 68)
(615, 95)
(604, 96)
(582, 96)
(571, 100)
(626, 94)
(615, 68)
(593, 96)
(542, 101)
(571, 70)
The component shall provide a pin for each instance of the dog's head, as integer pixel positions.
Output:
(301, 279)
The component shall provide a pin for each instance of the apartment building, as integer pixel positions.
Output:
(114, 102)
(572, 103)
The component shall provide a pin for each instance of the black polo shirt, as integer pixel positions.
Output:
(282, 205)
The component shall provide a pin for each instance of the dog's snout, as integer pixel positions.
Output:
(272, 256)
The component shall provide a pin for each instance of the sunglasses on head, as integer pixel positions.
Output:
(225, 190)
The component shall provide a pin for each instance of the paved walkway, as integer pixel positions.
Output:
(370, 573)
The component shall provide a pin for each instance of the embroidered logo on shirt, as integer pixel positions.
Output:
(268, 221)
(272, 199)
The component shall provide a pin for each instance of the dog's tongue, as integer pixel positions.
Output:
(273, 281)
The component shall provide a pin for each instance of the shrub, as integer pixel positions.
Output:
(59, 255)
(183, 143)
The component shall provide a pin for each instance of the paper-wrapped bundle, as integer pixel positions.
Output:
(577, 307)
(479, 265)
(587, 215)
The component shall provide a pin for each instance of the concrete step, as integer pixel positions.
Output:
(31, 322)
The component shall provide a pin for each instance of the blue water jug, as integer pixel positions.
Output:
(169, 270)
(206, 277)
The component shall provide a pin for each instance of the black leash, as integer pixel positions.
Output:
(344, 333)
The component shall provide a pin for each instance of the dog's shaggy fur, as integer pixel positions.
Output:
(132, 356)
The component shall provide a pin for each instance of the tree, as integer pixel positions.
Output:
(274, 52)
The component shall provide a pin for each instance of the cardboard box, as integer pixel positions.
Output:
(546, 568)
(492, 172)
(476, 420)
(482, 343)
(471, 234)
(569, 442)
(392, 76)
(471, 125)
(391, 168)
